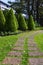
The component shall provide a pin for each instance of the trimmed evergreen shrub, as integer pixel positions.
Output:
(31, 24)
(22, 22)
(11, 22)
(2, 20)
(5, 12)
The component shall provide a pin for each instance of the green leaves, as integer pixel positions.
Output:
(2, 21)
(31, 24)
(11, 22)
(22, 22)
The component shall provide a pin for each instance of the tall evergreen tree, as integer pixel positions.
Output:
(22, 22)
(2, 20)
(11, 22)
(31, 24)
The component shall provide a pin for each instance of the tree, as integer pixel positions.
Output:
(18, 5)
(22, 22)
(30, 7)
(11, 22)
(5, 12)
(31, 24)
(2, 20)
(41, 12)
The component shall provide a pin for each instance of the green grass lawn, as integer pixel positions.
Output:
(6, 43)
(39, 40)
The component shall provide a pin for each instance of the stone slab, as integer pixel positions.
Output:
(32, 48)
(17, 48)
(32, 45)
(19, 44)
(12, 61)
(35, 61)
(35, 53)
(15, 53)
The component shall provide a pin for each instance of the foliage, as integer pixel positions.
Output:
(22, 22)
(2, 20)
(31, 24)
(18, 10)
(11, 22)
(41, 20)
(5, 12)
(18, 6)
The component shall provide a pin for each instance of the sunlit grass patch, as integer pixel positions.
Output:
(39, 40)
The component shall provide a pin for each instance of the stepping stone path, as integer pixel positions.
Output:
(35, 56)
(14, 57)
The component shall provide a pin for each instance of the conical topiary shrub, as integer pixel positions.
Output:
(5, 12)
(22, 22)
(31, 24)
(2, 20)
(11, 22)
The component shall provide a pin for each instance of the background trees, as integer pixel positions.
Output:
(30, 7)
(41, 12)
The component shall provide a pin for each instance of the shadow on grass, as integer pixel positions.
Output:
(10, 33)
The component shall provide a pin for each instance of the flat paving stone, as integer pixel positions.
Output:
(32, 45)
(35, 61)
(31, 39)
(12, 61)
(18, 48)
(19, 44)
(31, 42)
(15, 53)
(35, 53)
(32, 48)
(20, 40)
